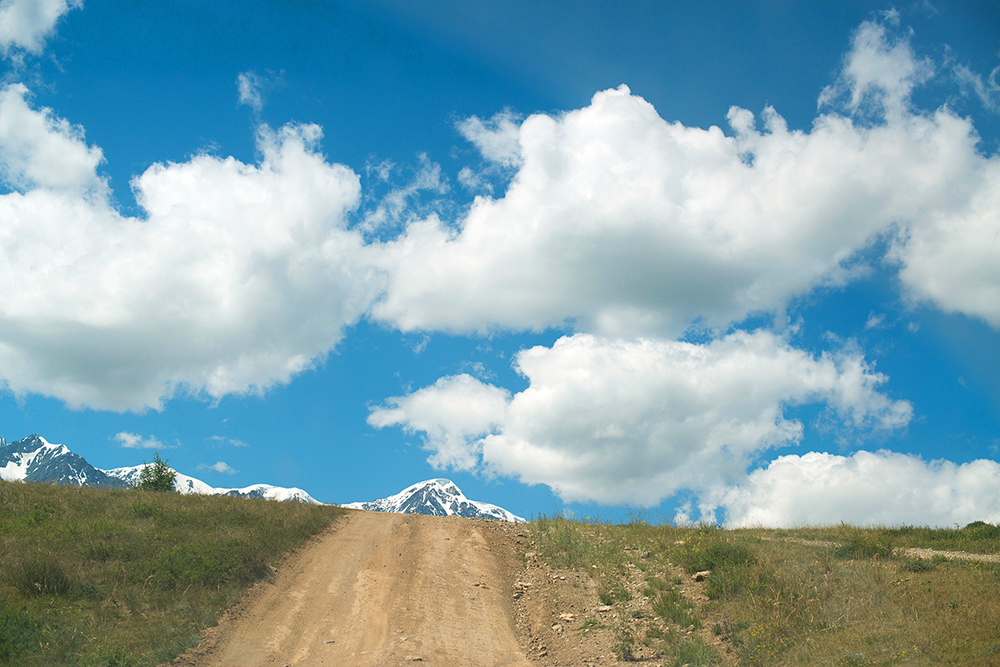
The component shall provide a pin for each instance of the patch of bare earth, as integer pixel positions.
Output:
(392, 589)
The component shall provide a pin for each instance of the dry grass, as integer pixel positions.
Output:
(777, 601)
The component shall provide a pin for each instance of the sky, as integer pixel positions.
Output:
(722, 262)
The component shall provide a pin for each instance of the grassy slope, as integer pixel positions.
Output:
(109, 577)
(781, 602)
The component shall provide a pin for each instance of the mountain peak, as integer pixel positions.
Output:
(35, 459)
(436, 497)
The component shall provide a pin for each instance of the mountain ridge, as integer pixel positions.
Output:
(35, 459)
(436, 497)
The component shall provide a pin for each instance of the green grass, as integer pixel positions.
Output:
(128, 578)
(778, 601)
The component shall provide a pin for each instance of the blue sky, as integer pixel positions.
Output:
(736, 263)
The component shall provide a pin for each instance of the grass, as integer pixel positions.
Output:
(128, 578)
(777, 600)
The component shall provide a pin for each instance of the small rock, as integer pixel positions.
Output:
(604, 608)
(701, 576)
(330, 641)
(567, 617)
(679, 543)
(557, 628)
(413, 658)
(645, 554)
(530, 555)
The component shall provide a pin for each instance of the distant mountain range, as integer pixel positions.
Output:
(437, 497)
(34, 459)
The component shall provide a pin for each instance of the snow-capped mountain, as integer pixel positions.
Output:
(187, 485)
(34, 459)
(437, 497)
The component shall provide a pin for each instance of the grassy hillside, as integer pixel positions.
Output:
(838, 596)
(119, 578)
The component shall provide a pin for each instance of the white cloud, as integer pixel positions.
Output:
(866, 488)
(987, 90)
(223, 440)
(950, 258)
(452, 413)
(41, 151)
(24, 24)
(239, 277)
(880, 72)
(135, 441)
(498, 138)
(248, 85)
(399, 201)
(220, 466)
(620, 223)
(618, 421)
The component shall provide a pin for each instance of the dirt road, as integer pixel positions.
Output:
(379, 589)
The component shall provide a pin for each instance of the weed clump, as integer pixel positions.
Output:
(40, 575)
(864, 545)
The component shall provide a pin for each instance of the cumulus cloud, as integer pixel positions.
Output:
(135, 441)
(24, 24)
(866, 488)
(452, 414)
(635, 421)
(38, 150)
(238, 277)
(950, 258)
(879, 72)
(220, 467)
(620, 223)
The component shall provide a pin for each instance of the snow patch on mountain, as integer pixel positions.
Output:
(186, 485)
(436, 497)
(35, 459)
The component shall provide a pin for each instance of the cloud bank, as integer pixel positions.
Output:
(867, 488)
(634, 421)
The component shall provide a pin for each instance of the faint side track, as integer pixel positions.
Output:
(378, 590)
(913, 552)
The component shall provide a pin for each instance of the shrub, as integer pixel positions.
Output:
(41, 575)
(157, 476)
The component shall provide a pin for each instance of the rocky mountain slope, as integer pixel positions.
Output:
(34, 459)
(436, 497)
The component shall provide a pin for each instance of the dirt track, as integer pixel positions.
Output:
(380, 589)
